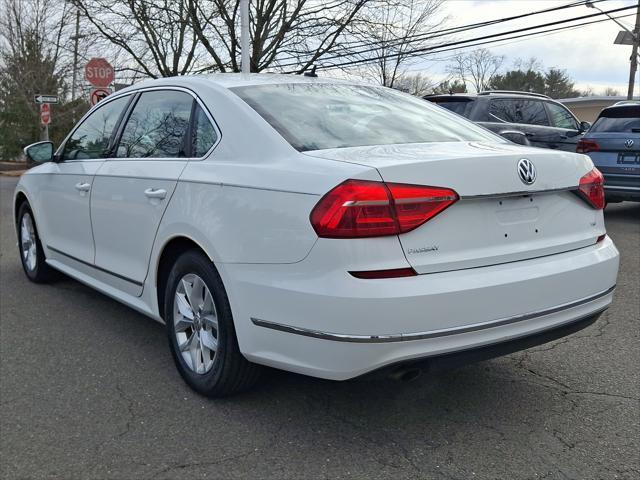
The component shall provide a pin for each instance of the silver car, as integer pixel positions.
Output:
(613, 143)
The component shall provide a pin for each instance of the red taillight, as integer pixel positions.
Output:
(361, 208)
(586, 146)
(591, 188)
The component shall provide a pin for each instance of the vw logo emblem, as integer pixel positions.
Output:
(526, 171)
(628, 143)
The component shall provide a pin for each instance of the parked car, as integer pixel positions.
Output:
(318, 226)
(524, 118)
(613, 143)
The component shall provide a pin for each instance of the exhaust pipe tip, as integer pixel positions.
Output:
(405, 374)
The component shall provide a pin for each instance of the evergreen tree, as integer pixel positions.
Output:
(559, 85)
(450, 86)
(519, 80)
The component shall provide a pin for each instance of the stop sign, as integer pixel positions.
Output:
(45, 113)
(98, 72)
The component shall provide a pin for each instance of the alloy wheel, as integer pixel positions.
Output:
(28, 242)
(195, 323)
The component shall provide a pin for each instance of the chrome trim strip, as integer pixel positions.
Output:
(104, 270)
(135, 91)
(522, 193)
(621, 187)
(405, 337)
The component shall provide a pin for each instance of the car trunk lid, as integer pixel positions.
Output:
(498, 218)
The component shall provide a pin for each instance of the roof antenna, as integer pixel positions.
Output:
(312, 73)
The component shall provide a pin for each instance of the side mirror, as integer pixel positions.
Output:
(584, 126)
(39, 152)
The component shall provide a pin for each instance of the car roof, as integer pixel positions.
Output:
(621, 107)
(490, 94)
(231, 80)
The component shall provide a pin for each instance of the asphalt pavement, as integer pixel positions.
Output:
(88, 390)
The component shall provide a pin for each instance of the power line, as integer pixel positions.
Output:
(439, 33)
(533, 34)
(459, 42)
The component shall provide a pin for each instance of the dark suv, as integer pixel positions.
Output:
(525, 118)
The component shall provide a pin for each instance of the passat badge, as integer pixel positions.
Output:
(526, 171)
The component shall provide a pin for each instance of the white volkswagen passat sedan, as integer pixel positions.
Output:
(322, 227)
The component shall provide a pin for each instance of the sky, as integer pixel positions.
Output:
(588, 54)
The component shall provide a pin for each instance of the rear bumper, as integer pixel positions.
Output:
(331, 325)
(626, 187)
(622, 192)
(453, 360)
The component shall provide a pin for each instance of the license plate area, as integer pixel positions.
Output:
(629, 158)
(517, 210)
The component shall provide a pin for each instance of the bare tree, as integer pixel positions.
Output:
(45, 22)
(611, 92)
(417, 84)
(292, 34)
(476, 67)
(156, 34)
(393, 29)
(35, 57)
(175, 37)
(532, 64)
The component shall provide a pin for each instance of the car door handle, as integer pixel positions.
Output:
(155, 193)
(529, 134)
(83, 187)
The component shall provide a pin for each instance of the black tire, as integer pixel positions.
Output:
(231, 371)
(41, 272)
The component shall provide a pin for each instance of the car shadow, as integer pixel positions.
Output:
(143, 340)
(625, 211)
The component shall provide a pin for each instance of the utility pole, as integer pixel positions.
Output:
(631, 38)
(244, 36)
(74, 80)
(634, 55)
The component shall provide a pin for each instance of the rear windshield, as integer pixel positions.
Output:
(321, 116)
(619, 119)
(460, 106)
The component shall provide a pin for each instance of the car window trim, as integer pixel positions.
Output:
(187, 158)
(91, 111)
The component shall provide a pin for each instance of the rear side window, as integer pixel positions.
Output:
(561, 117)
(91, 139)
(460, 106)
(619, 119)
(204, 136)
(157, 126)
(518, 110)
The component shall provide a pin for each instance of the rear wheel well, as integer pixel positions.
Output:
(170, 253)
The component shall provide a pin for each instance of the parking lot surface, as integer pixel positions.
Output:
(88, 390)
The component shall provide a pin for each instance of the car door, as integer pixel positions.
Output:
(566, 127)
(64, 191)
(526, 115)
(132, 190)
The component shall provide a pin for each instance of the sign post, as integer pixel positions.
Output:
(45, 119)
(100, 74)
